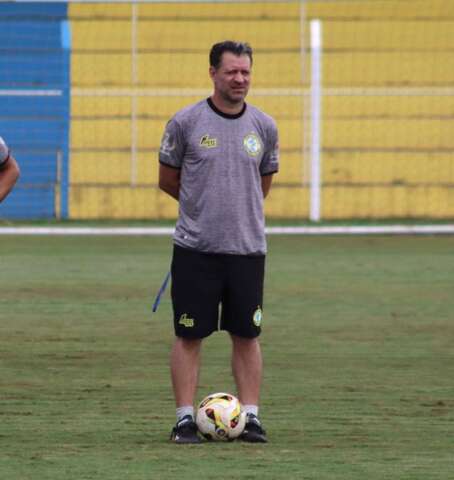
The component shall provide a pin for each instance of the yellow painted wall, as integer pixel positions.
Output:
(383, 156)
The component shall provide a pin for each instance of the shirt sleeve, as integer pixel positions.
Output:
(4, 153)
(173, 146)
(270, 160)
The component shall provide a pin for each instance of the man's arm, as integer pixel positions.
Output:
(266, 184)
(9, 173)
(169, 180)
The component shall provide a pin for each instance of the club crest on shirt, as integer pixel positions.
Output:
(252, 144)
(208, 142)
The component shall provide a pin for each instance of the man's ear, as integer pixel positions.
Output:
(212, 72)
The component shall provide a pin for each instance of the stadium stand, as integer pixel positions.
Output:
(384, 155)
(388, 75)
(388, 155)
(173, 43)
(34, 115)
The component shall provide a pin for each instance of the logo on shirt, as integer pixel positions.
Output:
(257, 317)
(167, 146)
(186, 321)
(208, 142)
(252, 144)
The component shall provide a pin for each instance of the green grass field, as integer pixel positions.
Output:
(358, 347)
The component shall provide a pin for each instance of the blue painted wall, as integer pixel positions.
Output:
(35, 59)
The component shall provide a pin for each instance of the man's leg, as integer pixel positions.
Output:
(247, 368)
(247, 371)
(184, 365)
(242, 318)
(196, 293)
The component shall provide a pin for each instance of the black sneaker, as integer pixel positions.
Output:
(253, 431)
(185, 431)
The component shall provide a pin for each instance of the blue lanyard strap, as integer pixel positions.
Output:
(161, 291)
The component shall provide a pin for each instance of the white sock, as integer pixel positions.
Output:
(185, 410)
(254, 409)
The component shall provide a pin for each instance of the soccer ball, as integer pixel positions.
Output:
(219, 417)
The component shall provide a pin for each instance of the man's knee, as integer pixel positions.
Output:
(188, 343)
(244, 342)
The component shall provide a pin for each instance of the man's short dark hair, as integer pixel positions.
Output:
(237, 48)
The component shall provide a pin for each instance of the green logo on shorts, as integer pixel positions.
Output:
(257, 317)
(186, 321)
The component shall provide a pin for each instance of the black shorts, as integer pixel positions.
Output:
(201, 282)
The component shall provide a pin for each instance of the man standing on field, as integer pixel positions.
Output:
(9, 170)
(217, 158)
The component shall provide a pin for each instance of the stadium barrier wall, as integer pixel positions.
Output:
(387, 149)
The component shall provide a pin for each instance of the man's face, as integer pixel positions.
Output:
(232, 79)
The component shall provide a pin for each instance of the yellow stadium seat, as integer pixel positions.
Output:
(391, 36)
(220, 11)
(391, 167)
(380, 9)
(264, 34)
(115, 202)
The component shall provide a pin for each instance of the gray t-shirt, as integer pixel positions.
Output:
(222, 158)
